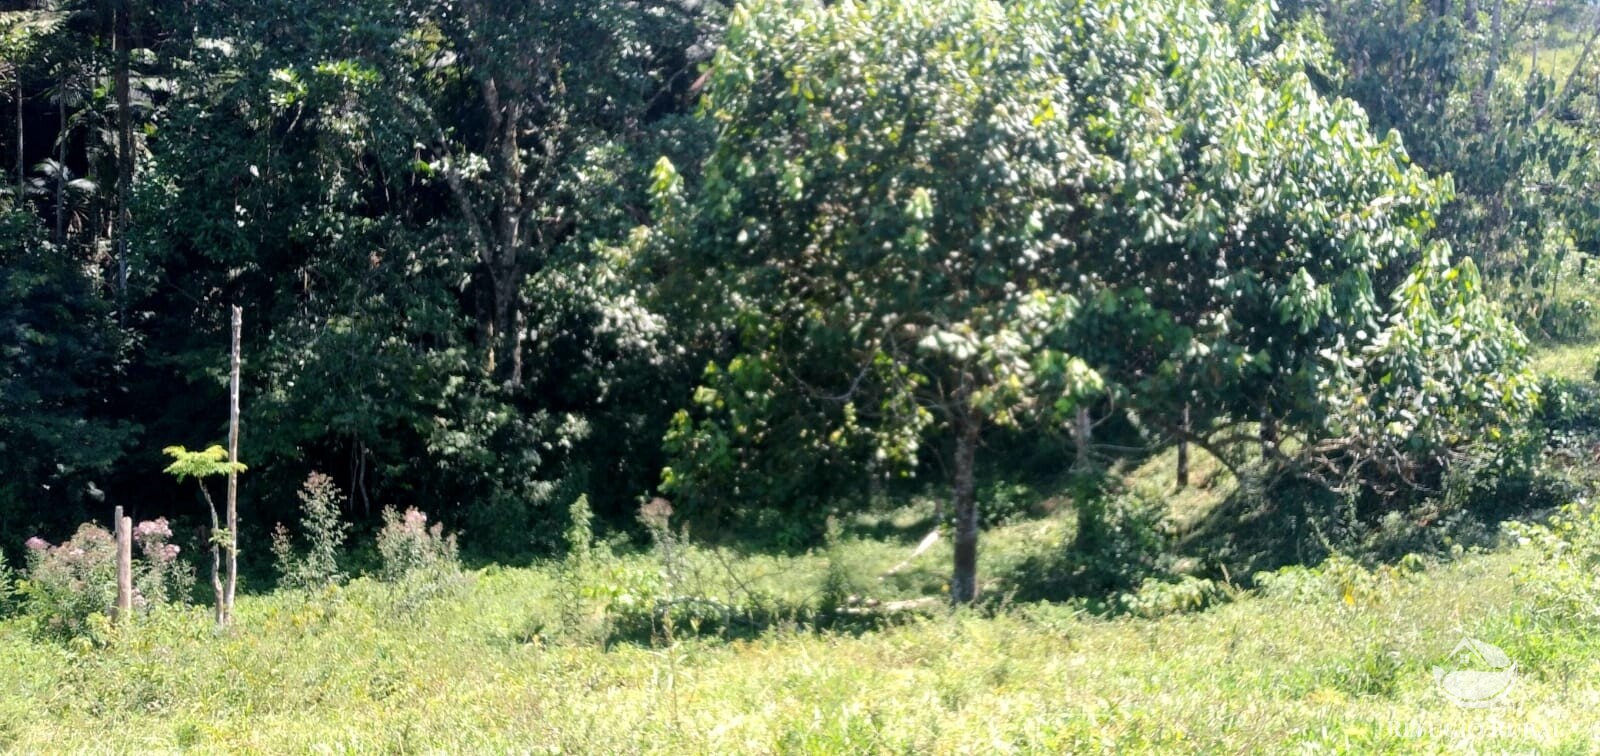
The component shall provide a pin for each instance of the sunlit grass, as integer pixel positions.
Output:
(1574, 362)
(341, 671)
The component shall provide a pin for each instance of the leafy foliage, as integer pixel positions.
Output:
(937, 220)
(208, 462)
(324, 533)
(420, 562)
(59, 435)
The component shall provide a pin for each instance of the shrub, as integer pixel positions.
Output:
(582, 557)
(8, 587)
(420, 561)
(69, 584)
(1119, 542)
(1004, 503)
(1565, 581)
(161, 578)
(324, 533)
(1339, 578)
(679, 597)
(1156, 598)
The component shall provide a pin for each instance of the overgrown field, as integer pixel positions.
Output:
(685, 647)
(1333, 660)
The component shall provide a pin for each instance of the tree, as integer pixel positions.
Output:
(337, 171)
(209, 462)
(953, 216)
(1473, 91)
(59, 437)
(874, 220)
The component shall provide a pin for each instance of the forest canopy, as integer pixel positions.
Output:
(770, 260)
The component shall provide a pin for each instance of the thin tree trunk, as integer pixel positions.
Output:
(1496, 43)
(124, 530)
(22, 167)
(964, 576)
(61, 160)
(1183, 449)
(1559, 101)
(1082, 437)
(1269, 433)
(125, 157)
(233, 469)
(516, 344)
(216, 557)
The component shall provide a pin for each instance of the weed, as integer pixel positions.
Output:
(324, 534)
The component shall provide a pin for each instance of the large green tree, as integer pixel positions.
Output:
(962, 214)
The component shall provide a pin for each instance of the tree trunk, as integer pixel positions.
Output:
(1486, 89)
(1082, 437)
(125, 157)
(124, 531)
(1183, 449)
(22, 167)
(1269, 433)
(964, 576)
(220, 596)
(233, 470)
(61, 160)
(505, 327)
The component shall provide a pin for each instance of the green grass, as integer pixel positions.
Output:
(1574, 362)
(346, 671)
(1343, 665)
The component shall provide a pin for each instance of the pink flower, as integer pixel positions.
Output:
(415, 520)
(38, 544)
(169, 552)
(156, 528)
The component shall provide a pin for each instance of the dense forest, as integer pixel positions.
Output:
(776, 261)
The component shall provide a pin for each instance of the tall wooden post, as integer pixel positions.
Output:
(124, 530)
(233, 470)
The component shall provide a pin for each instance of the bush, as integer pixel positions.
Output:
(8, 587)
(420, 561)
(1003, 503)
(69, 584)
(1565, 581)
(1157, 598)
(1119, 542)
(160, 578)
(1339, 578)
(324, 533)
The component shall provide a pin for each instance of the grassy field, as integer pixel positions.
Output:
(1306, 666)
(1575, 362)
